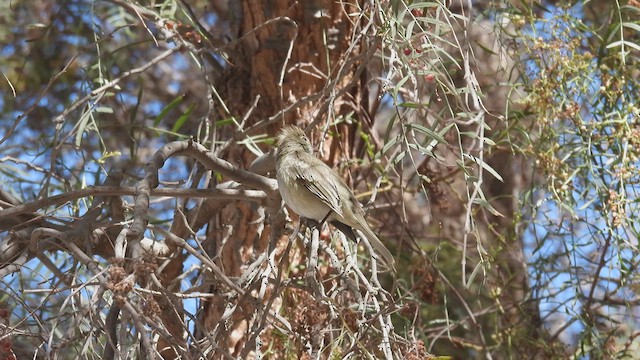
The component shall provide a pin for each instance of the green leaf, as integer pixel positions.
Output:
(175, 102)
(400, 156)
(223, 122)
(430, 133)
(183, 118)
(631, 25)
(485, 166)
(82, 125)
(251, 141)
(388, 145)
(134, 112)
(485, 204)
(164, 131)
(423, 150)
(104, 109)
(411, 105)
(625, 43)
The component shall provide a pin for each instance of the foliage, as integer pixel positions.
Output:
(497, 147)
(583, 95)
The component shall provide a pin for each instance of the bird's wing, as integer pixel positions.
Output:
(320, 183)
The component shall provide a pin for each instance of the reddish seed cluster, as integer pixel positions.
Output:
(186, 31)
(412, 48)
(408, 51)
(430, 78)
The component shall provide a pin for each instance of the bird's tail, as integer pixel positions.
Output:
(378, 246)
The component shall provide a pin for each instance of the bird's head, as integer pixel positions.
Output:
(292, 138)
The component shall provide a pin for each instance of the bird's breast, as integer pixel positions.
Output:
(301, 200)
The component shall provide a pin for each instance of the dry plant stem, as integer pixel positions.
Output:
(111, 331)
(233, 285)
(211, 336)
(469, 224)
(353, 284)
(66, 279)
(222, 194)
(205, 260)
(601, 264)
(92, 266)
(373, 289)
(78, 317)
(223, 167)
(164, 291)
(120, 246)
(440, 330)
(60, 118)
(189, 295)
(29, 165)
(147, 348)
(15, 265)
(374, 261)
(204, 156)
(240, 131)
(260, 324)
(346, 64)
(328, 90)
(312, 264)
(161, 330)
(44, 92)
(384, 319)
(472, 317)
(37, 234)
(253, 270)
(386, 326)
(122, 337)
(350, 283)
(195, 177)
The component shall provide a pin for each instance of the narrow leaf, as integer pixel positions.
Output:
(183, 118)
(175, 102)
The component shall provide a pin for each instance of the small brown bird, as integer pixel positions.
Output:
(315, 191)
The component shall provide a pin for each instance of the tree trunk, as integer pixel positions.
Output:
(284, 54)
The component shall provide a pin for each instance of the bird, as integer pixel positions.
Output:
(315, 191)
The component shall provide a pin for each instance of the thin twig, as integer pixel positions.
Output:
(222, 194)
